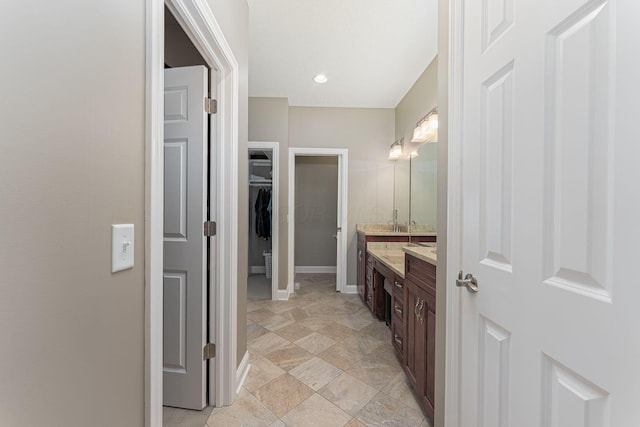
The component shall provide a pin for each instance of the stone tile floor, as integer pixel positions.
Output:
(319, 359)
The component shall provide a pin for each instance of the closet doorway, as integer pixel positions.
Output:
(262, 280)
(342, 155)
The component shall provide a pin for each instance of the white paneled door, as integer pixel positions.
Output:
(550, 212)
(185, 267)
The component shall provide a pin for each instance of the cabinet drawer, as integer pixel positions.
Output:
(398, 287)
(420, 272)
(397, 308)
(398, 340)
(370, 295)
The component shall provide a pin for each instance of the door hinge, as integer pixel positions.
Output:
(210, 106)
(209, 228)
(209, 351)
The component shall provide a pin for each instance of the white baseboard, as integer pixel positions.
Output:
(257, 269)
(283, 294)
(242, 372)
(351, 289)
(315, 269)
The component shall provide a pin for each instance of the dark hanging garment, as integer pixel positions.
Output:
(263, 216)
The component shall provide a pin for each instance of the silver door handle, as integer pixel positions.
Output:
(468, 282)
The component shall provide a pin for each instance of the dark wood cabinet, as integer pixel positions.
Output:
(362, 266)
(410, 305)
(365, 277)
(370, 291)
(420, 308)
(399, 318)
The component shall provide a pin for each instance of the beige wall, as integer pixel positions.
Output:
(316, 210)
(233, 18)
(71, 164)
(367, 133)
(269, 122)
(421, 98)
(417, 102)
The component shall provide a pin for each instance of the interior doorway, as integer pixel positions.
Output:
(204, 32)
(316, 214)
(340, 230)
(263, 245)
(188, 144)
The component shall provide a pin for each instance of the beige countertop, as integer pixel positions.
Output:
(387, 230)
(391, 254)
(424, 253)
(392, 257)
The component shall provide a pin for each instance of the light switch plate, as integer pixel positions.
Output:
(121, 247)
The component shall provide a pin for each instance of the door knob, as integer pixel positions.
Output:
(468, 282)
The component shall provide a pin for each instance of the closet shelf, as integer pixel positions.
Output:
(260, 182)
(260, 162)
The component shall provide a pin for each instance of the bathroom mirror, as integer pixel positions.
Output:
(424, 188)
(401, 191)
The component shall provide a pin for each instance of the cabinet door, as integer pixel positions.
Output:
(415, 356)
(369, 293)
(361, 273)
(429, 315)
(420, 343)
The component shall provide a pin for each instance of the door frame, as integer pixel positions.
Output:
(275, 208)
(199, 23)
(453, 334)
(343, 170)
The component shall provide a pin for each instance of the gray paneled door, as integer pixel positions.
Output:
(185, 210)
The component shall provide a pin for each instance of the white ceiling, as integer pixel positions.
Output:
(372, 51)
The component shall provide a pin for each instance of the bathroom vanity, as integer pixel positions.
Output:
(376, 233)
(400, 288)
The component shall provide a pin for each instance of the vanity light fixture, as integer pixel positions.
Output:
(427, 128)
(395, 152)
(320, 78)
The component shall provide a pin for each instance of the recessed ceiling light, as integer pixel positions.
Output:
(320, 78)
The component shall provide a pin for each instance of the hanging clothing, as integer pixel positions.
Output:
(269, 209)
(263, 216)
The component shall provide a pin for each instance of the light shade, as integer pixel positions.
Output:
(427, 129)
(395, 152)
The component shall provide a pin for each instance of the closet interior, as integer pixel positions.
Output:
(260, 227)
